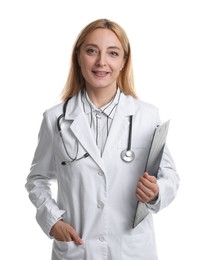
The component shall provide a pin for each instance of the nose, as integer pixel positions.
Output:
(101, 60)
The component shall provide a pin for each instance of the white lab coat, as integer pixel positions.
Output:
(96, 195)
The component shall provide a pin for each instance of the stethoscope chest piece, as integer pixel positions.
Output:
(127, 155)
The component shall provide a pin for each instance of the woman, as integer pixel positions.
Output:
(80, 146)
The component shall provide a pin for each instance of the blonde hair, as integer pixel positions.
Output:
(75, 81)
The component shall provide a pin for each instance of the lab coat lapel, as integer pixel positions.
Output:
(125, 108)
(81, 129)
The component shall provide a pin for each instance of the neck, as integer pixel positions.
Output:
(101, 97)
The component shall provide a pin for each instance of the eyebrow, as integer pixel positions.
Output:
(94, 45)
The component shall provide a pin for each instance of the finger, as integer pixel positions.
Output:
(149, 183)
(150, 178)
(143, 197)
(57, 231)
(75, 237)
(144, 193)
(66, 235)
(152, 185)
(140, 196)
(143, 188)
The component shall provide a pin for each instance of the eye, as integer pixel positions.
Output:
(91, 51)
(114, 53)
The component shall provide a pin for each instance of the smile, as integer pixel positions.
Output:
(100, 73)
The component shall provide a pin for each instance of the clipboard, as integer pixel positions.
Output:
(152, 164)
(157, 148)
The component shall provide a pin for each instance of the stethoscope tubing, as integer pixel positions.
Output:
(130, 133)
(127, 155)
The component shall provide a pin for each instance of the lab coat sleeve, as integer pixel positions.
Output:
(168, 182)
(43, 170)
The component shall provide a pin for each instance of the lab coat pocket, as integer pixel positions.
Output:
(67, 251)
(140, 246)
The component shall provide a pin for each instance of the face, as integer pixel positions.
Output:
(101, 58)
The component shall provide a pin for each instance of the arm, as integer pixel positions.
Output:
(43, 169)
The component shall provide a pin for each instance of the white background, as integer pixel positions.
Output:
(168, 40)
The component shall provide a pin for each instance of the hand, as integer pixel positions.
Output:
(147, 188)
(64, 232)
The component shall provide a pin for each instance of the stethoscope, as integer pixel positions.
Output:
(127, 155)
(70, 158)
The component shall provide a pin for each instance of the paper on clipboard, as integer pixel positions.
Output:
(157, 148)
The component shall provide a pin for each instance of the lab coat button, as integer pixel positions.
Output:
(100, 205)
(98, 115)
(102, 239)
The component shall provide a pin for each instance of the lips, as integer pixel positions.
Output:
(100, 73)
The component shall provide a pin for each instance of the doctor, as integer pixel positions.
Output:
(80, 146)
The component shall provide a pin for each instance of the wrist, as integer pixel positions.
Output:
(51, 233)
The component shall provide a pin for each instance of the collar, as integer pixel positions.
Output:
(108, 109)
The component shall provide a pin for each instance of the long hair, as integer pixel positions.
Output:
(75, 81)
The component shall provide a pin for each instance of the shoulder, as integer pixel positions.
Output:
(50, 116)
(148, 109)
(139, 104)
(55, 111)
(142, 111)
(147, 112)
